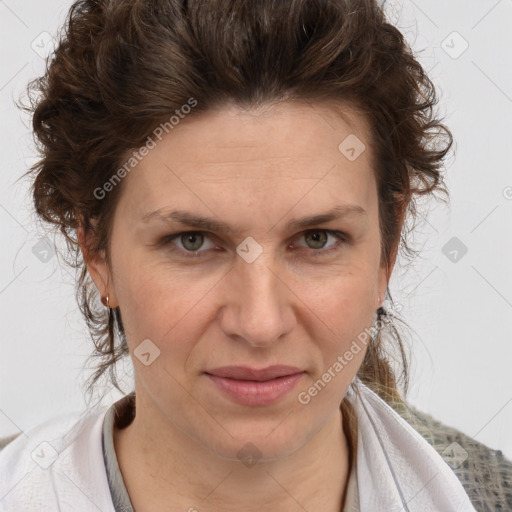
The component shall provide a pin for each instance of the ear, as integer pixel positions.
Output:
(386, 270)
(97, 266)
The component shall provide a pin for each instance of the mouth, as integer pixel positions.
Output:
(254, 374)
(249, 386)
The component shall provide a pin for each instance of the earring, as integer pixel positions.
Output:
(110, 310)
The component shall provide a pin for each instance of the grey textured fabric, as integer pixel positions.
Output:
(352, 498)
(485, 473)
(121, 414)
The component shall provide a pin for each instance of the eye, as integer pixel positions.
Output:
(317, 240)
(191, 242)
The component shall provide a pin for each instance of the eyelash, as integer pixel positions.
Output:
(343, 237)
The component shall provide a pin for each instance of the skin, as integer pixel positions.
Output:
(255, 170)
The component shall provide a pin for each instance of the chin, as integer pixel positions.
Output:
(251, 444)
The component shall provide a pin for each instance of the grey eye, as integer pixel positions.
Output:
(192, 241)
(316, 239)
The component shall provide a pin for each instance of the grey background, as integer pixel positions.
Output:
(460, 311)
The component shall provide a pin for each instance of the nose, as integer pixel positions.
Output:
(259, 308)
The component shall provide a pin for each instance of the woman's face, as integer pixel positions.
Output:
(257, 285)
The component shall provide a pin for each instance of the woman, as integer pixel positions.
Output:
(235, 178)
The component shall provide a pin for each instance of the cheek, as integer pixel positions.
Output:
(343, 297)
(158, 303)
(143, 295)
(341, 314)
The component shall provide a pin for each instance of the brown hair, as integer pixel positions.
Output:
(120, 69)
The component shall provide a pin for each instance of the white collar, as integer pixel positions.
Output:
(397, 469)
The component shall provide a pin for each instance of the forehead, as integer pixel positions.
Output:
(287, 130)
(270, 154)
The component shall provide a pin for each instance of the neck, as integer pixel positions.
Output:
(172, 468)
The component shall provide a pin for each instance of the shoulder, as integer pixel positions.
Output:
(485, 473)
(52, 430)
(47, 465)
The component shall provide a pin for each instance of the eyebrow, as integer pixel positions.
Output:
(212, 224)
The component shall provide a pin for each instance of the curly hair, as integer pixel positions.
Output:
(120, 69)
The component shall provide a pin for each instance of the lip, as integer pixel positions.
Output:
(248, 373)
(249, 386)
